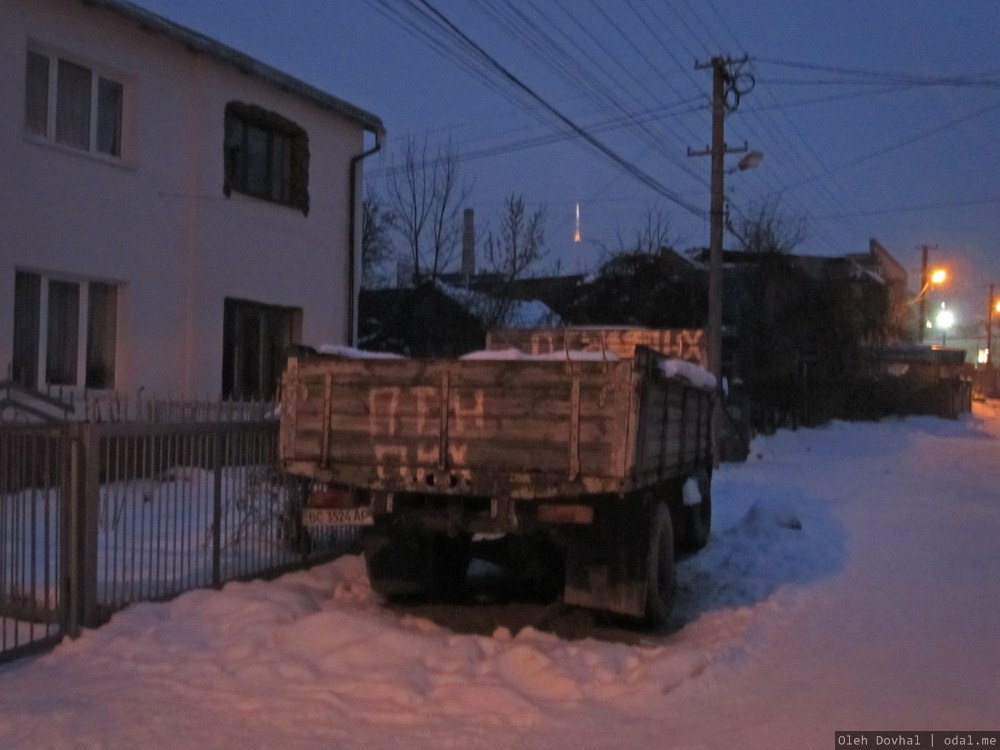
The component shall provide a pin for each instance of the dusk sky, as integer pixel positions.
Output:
(877, 118)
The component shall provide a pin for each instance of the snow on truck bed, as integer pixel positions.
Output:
(689, 372)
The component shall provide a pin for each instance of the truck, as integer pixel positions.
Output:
(580, 457)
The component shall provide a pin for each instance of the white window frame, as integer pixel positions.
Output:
(83, 316)
(98, 71)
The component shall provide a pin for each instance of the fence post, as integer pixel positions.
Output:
(217, 438)
(69, 541)
(84, 497)
(91, 509)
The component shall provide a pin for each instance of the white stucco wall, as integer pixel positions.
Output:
(159, 223)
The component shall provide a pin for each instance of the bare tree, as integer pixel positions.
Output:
(765, 229)
(446, 220)
(517, 245)
(377, 224)
(653, 233)
(426, 198)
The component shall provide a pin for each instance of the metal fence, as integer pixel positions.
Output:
(95, 516)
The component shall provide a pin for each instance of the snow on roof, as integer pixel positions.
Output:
(523, 314)
(349, 352)
(694, 374)
(576, 355)
(532, 313)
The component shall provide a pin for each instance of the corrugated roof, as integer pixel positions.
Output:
(197, 42)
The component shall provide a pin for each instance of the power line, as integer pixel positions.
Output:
(612, 124)
(506, 74)
(911, 209)
(773, 128)
(900, 144)
(988, 80)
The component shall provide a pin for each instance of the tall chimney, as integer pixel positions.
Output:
(469, 244)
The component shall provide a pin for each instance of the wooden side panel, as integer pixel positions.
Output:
(674, 433)
(478, 422)
(530, 428)
(290, 409)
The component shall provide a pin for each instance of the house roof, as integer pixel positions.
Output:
(196, 42)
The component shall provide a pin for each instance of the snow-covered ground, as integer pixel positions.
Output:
(852, 582)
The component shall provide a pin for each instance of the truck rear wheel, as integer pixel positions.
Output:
(660, 568)
(396, 563)
(409, 564)
(536, 565)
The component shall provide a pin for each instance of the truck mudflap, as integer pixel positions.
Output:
(607, 563)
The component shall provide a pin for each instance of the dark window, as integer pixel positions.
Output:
(73, 105)
(82, 98)
(27, 311)
(109, 117)
(36, 98)
(63, 333)
(255, 339)
(54, 343)
(102, 330)
(266, 156)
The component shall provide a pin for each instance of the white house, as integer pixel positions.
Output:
(173, 213)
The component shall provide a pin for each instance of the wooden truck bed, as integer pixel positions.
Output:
(520, 428)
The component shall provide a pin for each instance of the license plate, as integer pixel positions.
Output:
(313, 517)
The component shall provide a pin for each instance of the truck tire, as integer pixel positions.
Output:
(412, 564)
(448, 567)
(537, 566)
(695, 521)
(660, 568)
(397, 563)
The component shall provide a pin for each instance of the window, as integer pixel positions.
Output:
(73, 105)
(49, 337)
(255, 339)
(63, 334)
(266, 156)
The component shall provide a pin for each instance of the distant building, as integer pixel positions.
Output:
(175, 213)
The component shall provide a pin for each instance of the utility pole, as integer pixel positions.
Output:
(725, 99)
(989, 329)
(922, 323)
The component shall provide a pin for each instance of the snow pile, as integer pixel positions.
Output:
(313, 658)
(850, 583)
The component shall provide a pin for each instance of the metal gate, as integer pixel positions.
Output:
(34, 467)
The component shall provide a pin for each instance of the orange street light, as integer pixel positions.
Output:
(994, 307)
(928, 277)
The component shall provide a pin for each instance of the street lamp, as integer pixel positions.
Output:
(944, 320)
(750, 161)
(928, 277)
